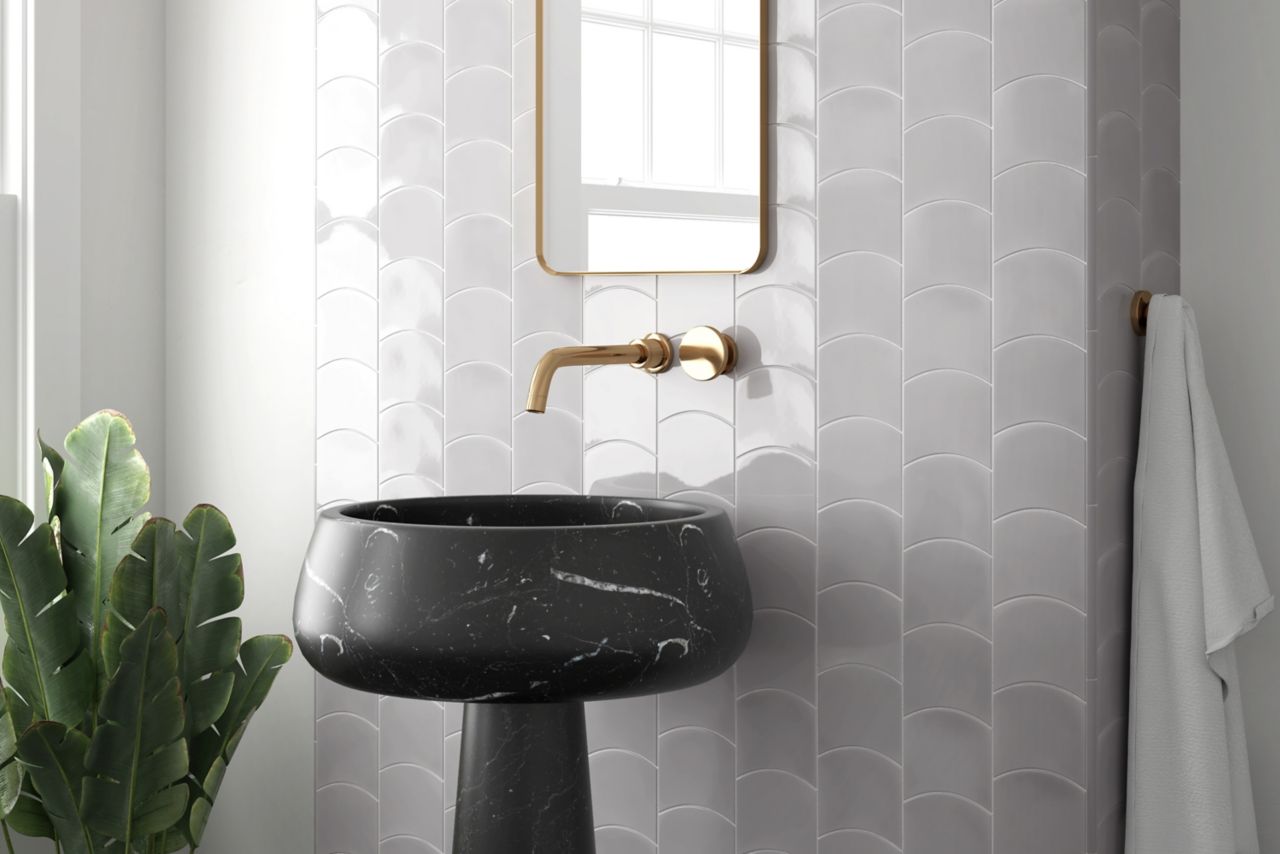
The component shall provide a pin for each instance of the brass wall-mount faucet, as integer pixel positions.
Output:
(705, 353)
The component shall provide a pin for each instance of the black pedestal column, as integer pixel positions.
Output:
(523, 783)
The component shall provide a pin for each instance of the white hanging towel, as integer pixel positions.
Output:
(1197, 586)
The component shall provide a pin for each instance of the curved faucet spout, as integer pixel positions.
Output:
(652, 353)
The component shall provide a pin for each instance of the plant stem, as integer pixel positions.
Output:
(57, 847)
(8, 840)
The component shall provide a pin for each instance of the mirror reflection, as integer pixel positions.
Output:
(651, 140)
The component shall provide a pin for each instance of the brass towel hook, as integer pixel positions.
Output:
(1138, 309)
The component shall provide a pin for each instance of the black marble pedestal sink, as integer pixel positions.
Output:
(522, 607)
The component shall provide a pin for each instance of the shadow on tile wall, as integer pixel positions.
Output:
(927, 447)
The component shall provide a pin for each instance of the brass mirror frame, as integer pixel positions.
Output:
(764, 162)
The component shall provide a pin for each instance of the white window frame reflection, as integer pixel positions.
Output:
(650, 26)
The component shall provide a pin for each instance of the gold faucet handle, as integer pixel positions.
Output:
(657, 353)
(706, 353)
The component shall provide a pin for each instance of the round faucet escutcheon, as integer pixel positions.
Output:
(707, 353)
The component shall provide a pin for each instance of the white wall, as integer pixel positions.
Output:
(1231, 274)
(240, 329)
(122, 221)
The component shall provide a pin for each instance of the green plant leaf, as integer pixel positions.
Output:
(10, 769)
(54, 756)
(193, 575)
(261, 658)
(138, 758)
(52, 464)
(28, 816)
(44, 661)
(99, 500)
(155, 575)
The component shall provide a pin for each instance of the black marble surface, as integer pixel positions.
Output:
(514, 599)
(523, 781)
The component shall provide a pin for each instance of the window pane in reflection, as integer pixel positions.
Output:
(615, 7)
(742, 18)
(692, 13)
(741, 118)
(684, 111)
(612, 103)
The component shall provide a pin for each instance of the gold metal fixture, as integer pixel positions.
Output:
(652, 353)
(1138, 309)
(706, 353)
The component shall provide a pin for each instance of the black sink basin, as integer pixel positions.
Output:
(522, 607)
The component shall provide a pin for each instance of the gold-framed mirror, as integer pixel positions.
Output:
(652, 145)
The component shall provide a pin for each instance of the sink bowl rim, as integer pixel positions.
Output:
(691, 513)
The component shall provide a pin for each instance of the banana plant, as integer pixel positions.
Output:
(127, 688)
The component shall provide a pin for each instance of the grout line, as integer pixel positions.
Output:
(991, 571)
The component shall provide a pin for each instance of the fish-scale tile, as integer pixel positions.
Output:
(860, 624)
(925, 17)
(947, 666)
(764, 744)
(347, 256)
(947, 244)
(859, 706)
(863, 380)
(618, 468)
(470, 95)
(859, 790)
(411, 225)
(781, 567)
(947, 497)
(776, 813)
(792, 78)
(947, 751)
(780, 656)
(478, 33)
(411, 21)
(1039, 37)
(410, 803)
(1040, 292)
(1039, 640)
(861, 458)
(547, 450)
(478, 249)
(948, 411)
(1040, 206)
(776, 488)
(1038, 811)
(627, 795)
(411, 80)
(860, 293)
(1040, 726)
(780, 324)
(948, 74)
(1040, 553)
(869, 203)
(1040, 466)
(948, 159)
(776, 409)
(346, 820)
(346, 45)
(947, 582)
(696, 768)
(944, 822)
(346, 115)
(689, 829)
(860, 45)
(860, 127)
(1040, 121)
(1040, 379)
